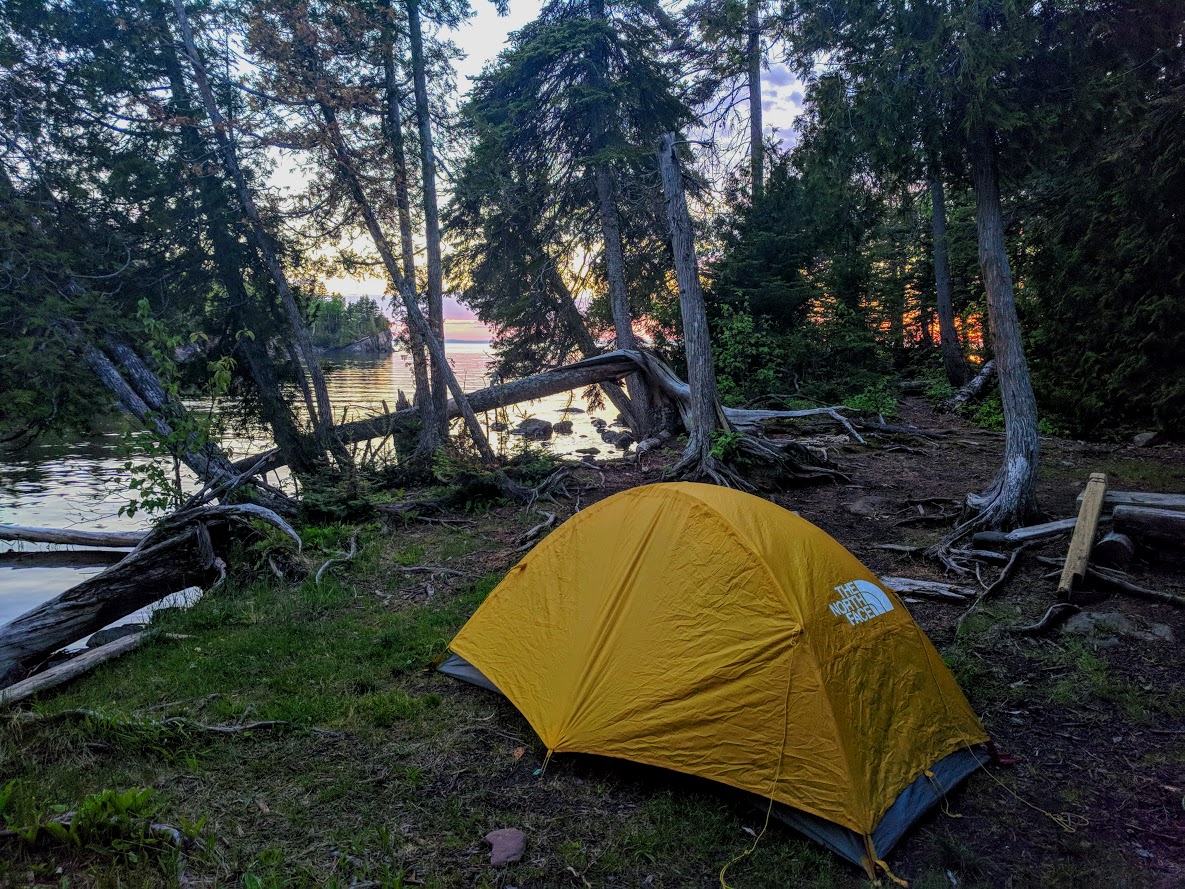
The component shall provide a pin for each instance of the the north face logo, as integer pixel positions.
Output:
(860, 600)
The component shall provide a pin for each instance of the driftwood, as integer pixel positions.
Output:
(927, 589)
(69, 536)
(1117, 582)
(1078, 555)
(178, 553)
(1114, 551)
(974, 389)
(1163, 528)
(61, 558)
(64, 672)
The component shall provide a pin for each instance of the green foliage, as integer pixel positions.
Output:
(110, 823)
(879, 399)
(989, 413)
(335, 323)
(726, 445)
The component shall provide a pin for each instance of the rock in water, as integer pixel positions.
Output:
(507, 845)
(563, 427)
(534, 429)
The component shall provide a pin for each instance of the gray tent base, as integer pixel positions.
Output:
(912, 803)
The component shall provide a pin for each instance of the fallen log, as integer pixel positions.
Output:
(1163, 528)
(1078, 555)
(29, 534)
(178, 553)
(1112, 580)
(927, 589)
(974, 389)
(1114, 551)
(61, 558)
(1024, 535)
(64, 672)
(1140, 498)
(610, 367)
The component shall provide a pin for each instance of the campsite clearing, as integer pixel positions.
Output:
(382, 773)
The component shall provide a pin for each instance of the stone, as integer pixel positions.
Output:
(598, 423)
(498, 426)
(1146, 439)
(571, 410)
(869, 506)
(1113, 623)
(588, 450)
(112, 633)
(534, 429)
(507, 845)
(563, 427)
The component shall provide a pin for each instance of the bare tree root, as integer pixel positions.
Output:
(1054, 617)
(1005, 575)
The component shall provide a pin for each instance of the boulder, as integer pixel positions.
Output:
(534, 429)
(588, 450)
(563, 427)
(1147, 439)
(571, 410)
(1106, 624)
(110, 634)
(498, 426)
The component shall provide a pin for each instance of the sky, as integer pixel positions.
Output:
(481, 38)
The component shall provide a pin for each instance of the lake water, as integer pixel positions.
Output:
(82, 485)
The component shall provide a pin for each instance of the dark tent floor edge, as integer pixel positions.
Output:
(909, 807)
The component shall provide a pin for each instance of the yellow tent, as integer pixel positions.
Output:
(709, 631)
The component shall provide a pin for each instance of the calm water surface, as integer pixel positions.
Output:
(83, 484)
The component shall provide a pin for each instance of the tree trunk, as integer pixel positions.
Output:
(753, 58)
(146, 576)
(394, 127)
(1012, 496)
(322, 418)
(229, 260)
(952, 353)
(406, 288)
(439, 432)
(706, 415)
(619, 303)
(570, 317)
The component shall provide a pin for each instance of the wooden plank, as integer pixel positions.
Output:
(1142, 498)
(1078, 556)
(64, 672)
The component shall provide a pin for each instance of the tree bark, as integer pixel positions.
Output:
(1012, 496)
(322, 417)
(439, 431)
(706, 414)
(406, 288)
(753, 60)
(619, 303)
(973, 389)
(952, 353)
(394, 127)
(229, 261)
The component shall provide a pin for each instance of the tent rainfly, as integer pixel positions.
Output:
(709, 631)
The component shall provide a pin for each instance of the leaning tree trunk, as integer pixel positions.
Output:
(435, 437)
(394, 132)
(753, 60)
(1012, 495)
(570, 317)
(619, 303)
(952, 353)
(706, 415)
(350, 178)
(302, 343)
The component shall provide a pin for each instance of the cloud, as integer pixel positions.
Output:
(778, 75)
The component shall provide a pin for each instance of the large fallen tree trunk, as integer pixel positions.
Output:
(178, 553)
(611, 366)
(28, 534)
(1163, 528)
(974, 389)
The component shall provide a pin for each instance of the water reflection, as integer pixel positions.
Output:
(83, 484)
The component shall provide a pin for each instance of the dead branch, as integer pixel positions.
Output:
(59, 674)
(1057, 614)
(1005, 575)
(345, 557)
